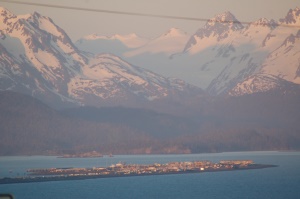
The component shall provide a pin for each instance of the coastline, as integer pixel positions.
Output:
(120, 154)
(86, 177)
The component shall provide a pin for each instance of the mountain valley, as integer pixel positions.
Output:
(230, 86)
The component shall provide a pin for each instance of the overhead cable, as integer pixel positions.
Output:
(136, 14)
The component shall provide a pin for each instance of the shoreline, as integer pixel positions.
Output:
(105, 155)
(87, 177)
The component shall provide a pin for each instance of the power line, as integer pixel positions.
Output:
(134, 13)
(104, 11)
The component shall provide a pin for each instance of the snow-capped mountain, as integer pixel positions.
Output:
(156, 54)
(153, 54)
(280, 70)
(284, 61)
(108, 79)
(168, 43)
(292, 17)
(116, 44)
(260, 83)
(233, 53)
(215, 30)
(224, 52)
(38, 58)
(132, 45)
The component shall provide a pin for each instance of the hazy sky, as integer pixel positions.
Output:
(80, 23)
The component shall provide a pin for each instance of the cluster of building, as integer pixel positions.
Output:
(137, 169)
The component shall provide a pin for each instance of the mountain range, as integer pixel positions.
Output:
(230, 86)
(38, 58)
(222, 54)
(223, 58)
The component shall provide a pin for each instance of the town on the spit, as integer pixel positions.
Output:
(122, 170)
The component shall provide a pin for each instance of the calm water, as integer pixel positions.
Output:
(280, 182)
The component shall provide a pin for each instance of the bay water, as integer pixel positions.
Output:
(276, 183)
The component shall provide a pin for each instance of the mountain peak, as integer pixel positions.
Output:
(117, 43)
(174, 32)
(91, 36)
(36, 15)
(292, 17)
(259, 83)
(6, 13)
(225, 18)
(2, 9)
(265, 22)
(122, 37)
(216, 29)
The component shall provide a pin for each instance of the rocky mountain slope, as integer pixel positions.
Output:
(115, 44)
(255, 66)
(225, 52)
(260, 83)
(30, 127)
(38, 58)
(127, 46)
(252, 122)
(235, 52)
(153, 54)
